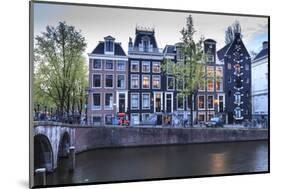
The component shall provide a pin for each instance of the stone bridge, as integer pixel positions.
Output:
(51, 142)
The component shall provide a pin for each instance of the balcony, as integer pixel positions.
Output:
(143, 50)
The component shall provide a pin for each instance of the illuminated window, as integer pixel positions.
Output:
(219, 72)
(210, 71)
(201, 102)
(219, 84)
(156, 82)
(156, 67)
(210, 85)
(145, 81)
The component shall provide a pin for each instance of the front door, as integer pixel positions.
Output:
(121, 104)
(158, 107)
(158, 102)
(169, 102)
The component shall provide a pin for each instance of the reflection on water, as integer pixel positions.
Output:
(103, 165)
(217, 162)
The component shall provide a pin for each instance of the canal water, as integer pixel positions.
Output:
(117, 164)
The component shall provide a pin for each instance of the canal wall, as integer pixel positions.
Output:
(87, 138)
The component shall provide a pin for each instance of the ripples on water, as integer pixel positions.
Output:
(115, 164)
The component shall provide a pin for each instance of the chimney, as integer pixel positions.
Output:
(265, 45)
(130, 44)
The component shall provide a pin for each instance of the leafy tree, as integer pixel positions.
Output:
(230, 32)
(189, 69)
(59, 69)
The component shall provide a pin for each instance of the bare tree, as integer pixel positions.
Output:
(231, 30)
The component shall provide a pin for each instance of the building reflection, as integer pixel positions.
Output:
(218, 163)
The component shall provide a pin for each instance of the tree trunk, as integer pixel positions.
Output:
(191, 110)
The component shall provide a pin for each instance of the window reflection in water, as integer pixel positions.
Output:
(218, 162)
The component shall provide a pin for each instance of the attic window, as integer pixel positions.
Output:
(109, 46)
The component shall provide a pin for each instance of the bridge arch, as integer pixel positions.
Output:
(64, 144)
(43, 153)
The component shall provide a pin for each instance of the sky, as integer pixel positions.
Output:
(97, 22)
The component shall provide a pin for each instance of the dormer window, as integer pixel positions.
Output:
(146, 44)
(109, 46)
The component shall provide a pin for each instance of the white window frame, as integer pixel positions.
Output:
(213, 105)
(172, 100)
(198, 102)
(93, 59)
(143, 115)
(237, 98)
(178, 102)
(210, 113)
(143, 100)
(135, 114)
(153, 76)
(154, 100)
(204, 86)
(112, 115)
(168, 83)
(153, 67)
(135, 62)
(202, 113)
(112, 81)
(236, 110)
(131, 99)
(113, 47)
(117, 62)
(100, 81)
(142, 64)
(97, 115)
(112, 65)
(124, 81)
(221, 80)
(213, 85)
(219, 68)
(100, 107)
(133, 75)
(143, 80)
(107, 107)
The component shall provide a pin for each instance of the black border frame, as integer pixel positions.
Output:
(31, 45)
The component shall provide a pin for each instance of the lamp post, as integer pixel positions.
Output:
(38, 111)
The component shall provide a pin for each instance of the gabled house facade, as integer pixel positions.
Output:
(210, 100)
(237, 82)
(108, 78)
(260, 84)
(145, 94)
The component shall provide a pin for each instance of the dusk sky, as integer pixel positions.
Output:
(95, 23)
